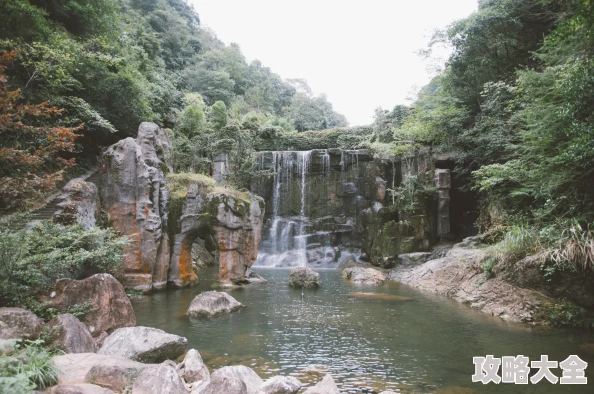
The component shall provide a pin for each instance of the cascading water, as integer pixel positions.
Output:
(302, 182)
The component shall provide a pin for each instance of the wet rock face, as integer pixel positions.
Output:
(134, 194)
(19, 323)
(79, 204)
(304, 277)
(110, 307)
(212, 303)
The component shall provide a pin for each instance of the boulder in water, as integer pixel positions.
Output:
(364, 276)
(246, 375)
(304, 277)
(213, 303)
(326, 386)
(252, 277)
(144, 344)
(281, 385)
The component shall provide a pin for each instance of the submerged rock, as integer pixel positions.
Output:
(70, 335)
(326, 386)
(304, 277)
(281, 385)
(159, 379)
(145, 344)
(19, 323)
(213, 303)
(380, 296)
(246, 375)
(253, 277)
(364, 276)
(110, 307)
(192, 368)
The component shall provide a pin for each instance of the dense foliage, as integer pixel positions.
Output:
(32, 259)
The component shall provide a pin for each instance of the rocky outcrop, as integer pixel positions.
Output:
(212, 303)
(192, 368)
(246, 375)
(326, 386)
(144, 344)
(109, 308)
(443, 183)
(304, 277)
(79, 204)
(134, 195)
(19, 323)
(281, 385)
(364, 276)
(70, 335)
(459, 275)
(159, 379)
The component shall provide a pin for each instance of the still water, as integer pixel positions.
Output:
(421, 345)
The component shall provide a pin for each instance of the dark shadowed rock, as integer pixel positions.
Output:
(192, 368)
(213, 303)
(326, 386)
(110, 306)
(281, 385)
(144, 344)
(19, 323)
(159, 379)
(304, 277)
(79, 204)
(70, 335)
(222, 384)
(83, 388)
(252, 381)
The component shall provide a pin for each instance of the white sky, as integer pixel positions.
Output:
(362, 54)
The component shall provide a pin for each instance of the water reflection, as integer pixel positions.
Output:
(416, 346)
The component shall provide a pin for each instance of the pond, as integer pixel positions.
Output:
(417, 342)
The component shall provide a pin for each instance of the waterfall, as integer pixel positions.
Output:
(297, 188)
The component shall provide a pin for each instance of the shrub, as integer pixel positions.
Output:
(517, 243)
(574, 249)
(177, 184)
(31, 260)
(30, 367)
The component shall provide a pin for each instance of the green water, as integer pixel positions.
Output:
(422, 345)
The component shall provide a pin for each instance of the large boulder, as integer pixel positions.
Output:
(252, 381)
(144, 344)
(76, 368)
(281, 385)
(212, 303)
(222, 384)
(304, 277)
(192, 368)
(326, 386)
(19, 323)
(159, 379)
(83, 388)
(134, 193)
(70, 335)
(110, 307)
(79, 204)
(364, 276)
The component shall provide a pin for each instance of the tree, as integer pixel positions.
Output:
(217, 115)
(32, 150)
